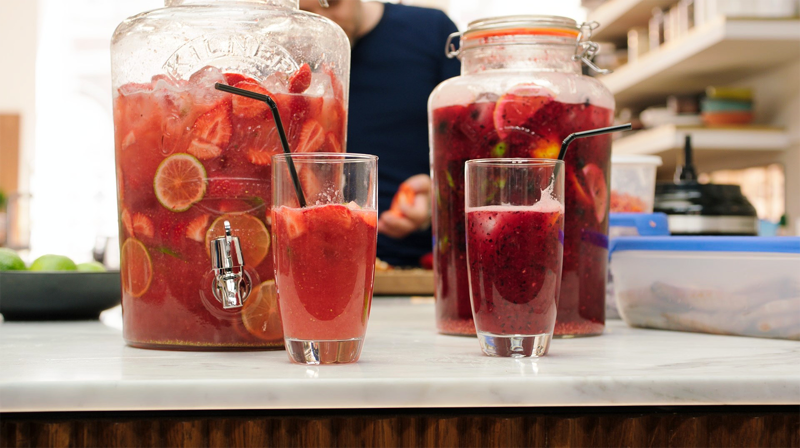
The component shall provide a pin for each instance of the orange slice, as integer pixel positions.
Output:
(252, 233)
(260, 314)
(136, 268)
(518, 106)
(180, 182)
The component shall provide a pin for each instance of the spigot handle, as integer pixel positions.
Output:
(231, 283)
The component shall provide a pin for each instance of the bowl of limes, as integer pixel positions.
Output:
(54, 287)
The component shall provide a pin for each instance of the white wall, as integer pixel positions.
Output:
(777, 103)
(18, 34)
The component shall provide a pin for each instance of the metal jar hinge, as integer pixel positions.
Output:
(586, 50)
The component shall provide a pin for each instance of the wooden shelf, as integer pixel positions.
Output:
(719, 52)
(664, 138)
(616, 17)
(714, 148)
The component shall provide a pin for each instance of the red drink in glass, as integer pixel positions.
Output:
(325, 253)
(188, 158)
(325, 264)
(515, 267)
(515, 242)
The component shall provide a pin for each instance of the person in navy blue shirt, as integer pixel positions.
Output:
(397, 60)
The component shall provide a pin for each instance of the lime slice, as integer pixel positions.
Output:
(136, 269)
(180, 182)
(260, 314)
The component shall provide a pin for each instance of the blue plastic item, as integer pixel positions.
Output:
(646, 224)
(777, 244)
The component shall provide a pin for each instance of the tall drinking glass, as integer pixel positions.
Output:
(325, 253)
(515, 244)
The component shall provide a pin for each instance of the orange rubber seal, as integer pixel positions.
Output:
(560, 32)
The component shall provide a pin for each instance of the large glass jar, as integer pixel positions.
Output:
(190, 158)
(520, 93)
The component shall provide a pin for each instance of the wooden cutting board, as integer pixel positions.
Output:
(403, 282)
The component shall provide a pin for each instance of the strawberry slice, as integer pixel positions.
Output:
(263, 148)
(309, 182)
(336, 216)
(259, 157)
(370, 217)
(211, 132)
(293, 219)
(247, 107)
(300, 80)
(196, 230)
(332, 143)
(203, 150)
(595, 184)
(312, 136)
(127, 221)
(142, 226)
(235, 78)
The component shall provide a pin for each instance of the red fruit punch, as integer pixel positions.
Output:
(325, 258)
(515, 267)
(232, 138)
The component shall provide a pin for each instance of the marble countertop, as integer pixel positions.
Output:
(85, 366)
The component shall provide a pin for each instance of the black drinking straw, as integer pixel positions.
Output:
(281, 132)
(583, 134)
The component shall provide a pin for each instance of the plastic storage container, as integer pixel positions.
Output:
(190, 158)
(631, 224)
(747, 286)
(633, 183)
(520, 93)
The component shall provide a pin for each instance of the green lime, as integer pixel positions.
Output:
(53, 263)
(91, 266)
(10, 261)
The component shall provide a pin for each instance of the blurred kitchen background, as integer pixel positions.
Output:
(726, 72)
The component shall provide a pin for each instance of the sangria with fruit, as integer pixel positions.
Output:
(521, 93)
(189, 158)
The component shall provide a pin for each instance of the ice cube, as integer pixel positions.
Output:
(320, 85)
(201, 84)
(276, 82)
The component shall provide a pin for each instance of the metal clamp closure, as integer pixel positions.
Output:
(450, 49)
(586, 50)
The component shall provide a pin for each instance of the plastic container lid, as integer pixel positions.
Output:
(636, 160)
(777, 244)
(646, 224)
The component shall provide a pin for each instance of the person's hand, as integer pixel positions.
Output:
(410, 210)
